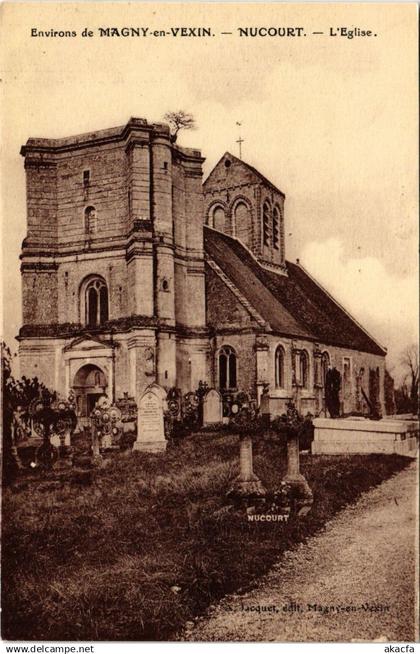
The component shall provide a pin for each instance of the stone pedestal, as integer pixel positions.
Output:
(150, 446)
(247, 483)
(300, 489)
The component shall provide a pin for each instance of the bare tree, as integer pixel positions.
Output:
(410, 361)
(179, 120)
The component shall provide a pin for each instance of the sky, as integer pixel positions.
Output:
(331, 121)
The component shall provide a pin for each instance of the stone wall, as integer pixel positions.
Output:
(40, 294)
(39, 358)
(312, 397)
(41, 193)
(253, 370)
(236, 326)
(244, 346)
(107, 192)
(189, 279)
(224, 310)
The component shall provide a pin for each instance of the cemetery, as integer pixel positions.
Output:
(130, 525)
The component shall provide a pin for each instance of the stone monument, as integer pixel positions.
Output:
(150, 425)
(247, 485)
(212, 408)
(301, 490)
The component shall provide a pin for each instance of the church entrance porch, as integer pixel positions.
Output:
(89, 384)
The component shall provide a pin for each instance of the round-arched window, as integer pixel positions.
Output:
(219, 219)
(279, 367)
(227, 368)
(243, 229)
(304, 368)
(266, 223)
(276, 228)
(96, 302)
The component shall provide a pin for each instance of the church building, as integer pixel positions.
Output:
(135, 271)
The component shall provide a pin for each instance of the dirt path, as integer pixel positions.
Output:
(364, 559)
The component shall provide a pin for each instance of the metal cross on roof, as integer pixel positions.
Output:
(240, 141)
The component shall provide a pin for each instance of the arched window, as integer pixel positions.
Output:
(243, 223)
(266, 223)
(279, 367)
(219, 219)
(96, 302)
(227, 368)
(90, 220)
(276, 228)
(325, 363)
(282, 253)
(304, 368)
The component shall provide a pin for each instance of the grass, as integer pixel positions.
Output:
(143, 548)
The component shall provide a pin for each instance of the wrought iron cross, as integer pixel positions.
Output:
(240, 141)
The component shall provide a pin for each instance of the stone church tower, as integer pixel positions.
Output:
(241, 202)
(113, 265)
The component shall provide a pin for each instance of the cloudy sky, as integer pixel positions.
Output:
(331, 121)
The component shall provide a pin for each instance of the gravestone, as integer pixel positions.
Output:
(212, 408)
(107, 442)
(128, 408)
(150, 427)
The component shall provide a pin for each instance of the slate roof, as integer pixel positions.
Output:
(294, 304)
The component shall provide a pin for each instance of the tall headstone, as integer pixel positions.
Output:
(212, 408)
(150, 425)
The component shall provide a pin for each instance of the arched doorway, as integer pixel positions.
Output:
(90, 383)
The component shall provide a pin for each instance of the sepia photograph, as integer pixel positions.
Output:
(210, 307)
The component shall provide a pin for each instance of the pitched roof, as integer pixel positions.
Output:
(293, 304)
(248, 167)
